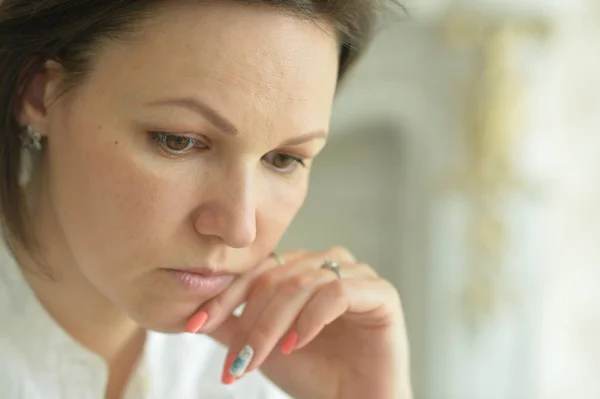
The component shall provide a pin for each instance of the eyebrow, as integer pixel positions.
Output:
(201, 108)
(221, 123)
(319, 134)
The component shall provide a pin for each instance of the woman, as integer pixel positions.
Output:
(172, 142)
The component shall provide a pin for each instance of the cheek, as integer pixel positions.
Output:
(108, 204)
(276, 211)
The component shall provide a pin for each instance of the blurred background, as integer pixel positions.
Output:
(464, 165)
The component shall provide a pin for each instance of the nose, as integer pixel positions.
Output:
(228, 209)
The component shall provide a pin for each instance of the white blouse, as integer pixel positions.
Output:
(39, 360)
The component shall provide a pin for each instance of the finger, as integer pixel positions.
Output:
(368, 300)
(265, 286)
(215, 311)
(263, 326)
(226, 331)
(338, 254)
(352, 271)
(263, 279)
(259, 335)
(326, 306)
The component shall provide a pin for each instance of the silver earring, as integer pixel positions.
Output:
(31, 139)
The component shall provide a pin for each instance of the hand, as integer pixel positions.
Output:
(313, 334)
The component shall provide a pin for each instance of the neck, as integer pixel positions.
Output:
(65, 292)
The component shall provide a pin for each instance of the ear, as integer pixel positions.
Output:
(37, 97)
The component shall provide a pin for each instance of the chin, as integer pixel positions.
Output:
(164, 328)
(162, 325)
(165, 319)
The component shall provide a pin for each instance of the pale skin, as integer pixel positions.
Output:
(135, 179)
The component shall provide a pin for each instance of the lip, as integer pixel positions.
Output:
(201, 282)
(203, 272)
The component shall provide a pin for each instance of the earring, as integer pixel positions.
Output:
(31, 139)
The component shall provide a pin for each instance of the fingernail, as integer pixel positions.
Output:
(196, 322)
(241, 362)
(290, 342)
(227, 378)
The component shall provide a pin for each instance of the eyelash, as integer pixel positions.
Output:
(296, 162)
(161, 138)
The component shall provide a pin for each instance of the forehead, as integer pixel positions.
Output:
(253, 58)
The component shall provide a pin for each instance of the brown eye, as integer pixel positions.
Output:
(177, 143)
(282, 162)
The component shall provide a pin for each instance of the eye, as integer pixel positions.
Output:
(283, 162)
(174, 144)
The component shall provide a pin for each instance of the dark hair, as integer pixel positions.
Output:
(67, 31)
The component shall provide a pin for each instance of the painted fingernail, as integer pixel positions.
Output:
(227, 378)
(241, 362)
(290, 342)
(196, 322)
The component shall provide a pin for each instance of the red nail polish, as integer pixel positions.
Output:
(196, 322)
(290, 343)
(227, 378)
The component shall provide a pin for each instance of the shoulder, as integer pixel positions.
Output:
(33, 358)
(17, 371)
(193, 365)
(22, 373)
(13, 381)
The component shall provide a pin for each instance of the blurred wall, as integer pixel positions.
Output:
(464, 166)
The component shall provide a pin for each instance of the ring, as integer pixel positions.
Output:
(280, 261)
(333, 266)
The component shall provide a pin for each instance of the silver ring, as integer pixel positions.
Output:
(333, 266)
(280, 261)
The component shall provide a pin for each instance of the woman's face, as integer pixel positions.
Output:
(181, 151)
